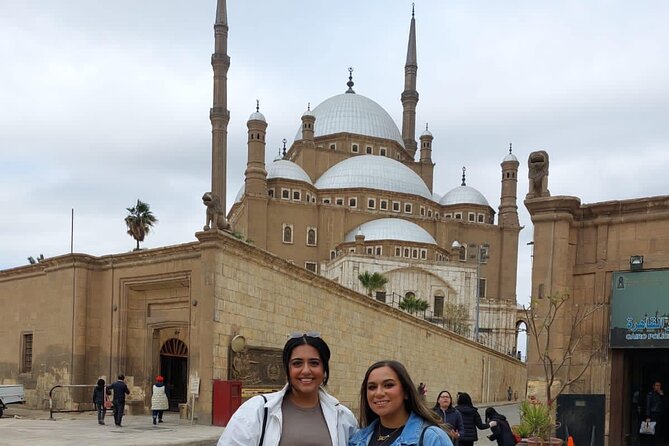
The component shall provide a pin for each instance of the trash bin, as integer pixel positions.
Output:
(183, 411)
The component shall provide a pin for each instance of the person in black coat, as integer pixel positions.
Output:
(99, 395)
(501, 431)
(120, 391)
(471, 420)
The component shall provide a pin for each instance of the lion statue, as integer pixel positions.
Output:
(537, 164)
(215, 216)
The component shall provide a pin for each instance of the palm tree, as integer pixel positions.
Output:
(412, 304)
(372, 282)
(139, 221)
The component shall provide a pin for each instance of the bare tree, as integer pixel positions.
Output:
(560, 364)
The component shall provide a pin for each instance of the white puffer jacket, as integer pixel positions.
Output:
(159, 398)
(245, 426)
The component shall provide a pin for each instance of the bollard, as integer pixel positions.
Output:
(183, 411)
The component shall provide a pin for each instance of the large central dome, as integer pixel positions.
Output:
(353, 113)
(373, 172)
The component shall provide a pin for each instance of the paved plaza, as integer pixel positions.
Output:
(20, 426)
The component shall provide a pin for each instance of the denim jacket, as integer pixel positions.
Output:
(434, 436)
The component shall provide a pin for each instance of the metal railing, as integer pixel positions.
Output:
(51, 409)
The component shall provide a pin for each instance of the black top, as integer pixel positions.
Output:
(502, 432)
(471, 419)
(120, 391)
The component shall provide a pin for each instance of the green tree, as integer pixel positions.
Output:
(139, 221)
(412, 304)
(456, 317)
(372, 282)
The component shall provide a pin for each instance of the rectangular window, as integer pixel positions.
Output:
(398, 251)
(27, 353)
(422, 211)
(482, 285)
(382, 151)
(429, 213)
(481, 218)
(354, 148)
(333, 146)
(462, 255)
(414, 253)
(381, 296)
(285, 194)
(383, 205)
(297, 195)
(371, 203)
(458, 215)
(471, 216)
(484, 253)
(270, 192)
(327, 200)
(312, 236)
(449, 215)
(396, 206)
(407, 253)
(368, 150)
(369, 250)
(408, 208)
(423, 254)
(439, 306)
(311, 266)
(353, 202)
(378, 250)
(339, 201)
(351, 250)
(287, 235)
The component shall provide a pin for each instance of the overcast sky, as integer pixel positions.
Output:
(105, 102)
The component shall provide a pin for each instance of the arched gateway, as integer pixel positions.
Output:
(174, 368)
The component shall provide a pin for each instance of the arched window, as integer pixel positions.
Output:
(311, 236)
(287, 233)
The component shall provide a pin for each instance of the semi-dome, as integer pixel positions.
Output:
(257, 116)
(287, 170)
(353, 113)
(373, 172)
(391, 229)
(240, 194)
(463, 195)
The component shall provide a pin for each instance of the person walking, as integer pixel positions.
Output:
(100, 393)
(159, 401)
(120, 390)
(392, 412)
(444, 408)
(302, 413)
(654, 412)
(471, 420)
(501, 431)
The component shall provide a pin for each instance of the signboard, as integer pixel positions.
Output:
(640, 309)
(194, 385)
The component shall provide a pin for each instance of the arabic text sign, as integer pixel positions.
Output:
(640, 309)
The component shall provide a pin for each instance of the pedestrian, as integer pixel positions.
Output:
(120, 390)
(422, 391)
(509, 393)
(501, 431)
(451, 417)
(392, 412)
(471, 420)
(159, 401)
(300, 413)
(654, 412)
(100, 393)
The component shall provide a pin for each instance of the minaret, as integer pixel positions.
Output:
(426, 146)
(508, 207)
(219, 113)
(255, 180)
(410, 95)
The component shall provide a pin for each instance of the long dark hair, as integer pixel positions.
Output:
(412, 401)
(490, 413)
(450, 406)
(316, 342)
(465, 400)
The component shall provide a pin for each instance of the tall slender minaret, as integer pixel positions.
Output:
(508, 207)
(219, 113)
(410, 95)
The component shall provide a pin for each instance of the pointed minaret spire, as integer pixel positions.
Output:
(464, 169)
(510, 146)
(410, 95)
(219, 113)
(257, 105)
(350, 81)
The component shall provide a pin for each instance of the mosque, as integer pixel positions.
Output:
(348, 196)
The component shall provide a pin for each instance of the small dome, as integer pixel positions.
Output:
(373, 172)
(257, 116)
(287, 170)
(463, 195)
(240, 194)
(510, 157)
(391, 229)
(426, 132)
(353, 113)
(308, 113)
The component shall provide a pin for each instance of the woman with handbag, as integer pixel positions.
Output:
(392, 412)
(100, 393)
(302, 413)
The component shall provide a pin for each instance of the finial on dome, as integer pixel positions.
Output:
(412, 9)
(350, 80)
(464, 169)
(308, 106)
(510, 146)
(284, 146)
(257, 105)
(426, 129)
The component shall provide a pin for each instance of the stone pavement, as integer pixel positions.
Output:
(21, 426)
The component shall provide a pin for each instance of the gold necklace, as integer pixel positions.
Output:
(382, 438)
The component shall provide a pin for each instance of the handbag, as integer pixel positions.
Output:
(647, 428)
(107, 403)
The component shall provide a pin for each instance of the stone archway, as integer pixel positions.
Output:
(174, 368)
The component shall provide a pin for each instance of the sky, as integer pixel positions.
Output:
(103, 103)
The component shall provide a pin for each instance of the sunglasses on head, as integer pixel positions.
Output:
(300, 334)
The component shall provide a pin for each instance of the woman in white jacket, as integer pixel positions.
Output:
(300, 414)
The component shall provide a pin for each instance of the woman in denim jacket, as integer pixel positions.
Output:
(392, 412)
